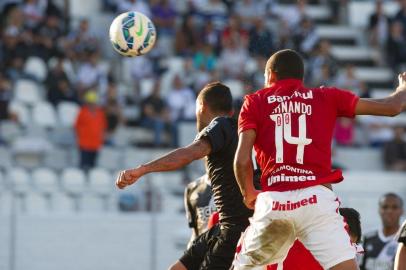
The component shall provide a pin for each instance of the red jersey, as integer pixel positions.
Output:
(294, 128)
(298, 258)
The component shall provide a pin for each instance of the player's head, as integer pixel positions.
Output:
(390, 209)
(284, 64)
(353, 220)
(213, 100)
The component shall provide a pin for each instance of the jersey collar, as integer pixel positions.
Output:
(287, 83)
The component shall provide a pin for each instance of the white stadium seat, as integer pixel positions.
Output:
(20, 180)
(146, 86)
(236, 88)
(22, 112)
(37, 204)
(27, 91)
(110, 158)
(67, 113)
(37, 67)
(5, 158)
(45, 180)
(44, 115)
(73, 181)
(101, 181)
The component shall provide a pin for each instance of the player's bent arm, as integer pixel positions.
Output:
(400, 260)
(243, 168)
(169, 162)
(389, 106)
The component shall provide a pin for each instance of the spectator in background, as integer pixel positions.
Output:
(58, 86)
(5, 99)
(379, 26)
(395, 151)
(233, 58)
(90, 74)
(348, 80)
(215, 11)
(344, 131)
(211, 36)
(34, 12)
(47, 35)
(380, 246)
(112, 107)
(205, 59)
(155, 116)
(401, 15)
(250, 12)
(378, 130)
(134, 5)
(234, 32)
(81, 41)
(187, 37)
(396, 45)
(322, 57)
(90, 129)
(305, 37)
(261, 41)
(294, 15)
(164, 17)
(181, 101)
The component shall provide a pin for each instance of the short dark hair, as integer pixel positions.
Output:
(353, 219)
(217, 96)
(393, 195)
(287, 64)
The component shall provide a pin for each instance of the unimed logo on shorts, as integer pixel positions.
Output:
(288, 206)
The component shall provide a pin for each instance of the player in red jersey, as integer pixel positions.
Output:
(291, 127)
(299, 258)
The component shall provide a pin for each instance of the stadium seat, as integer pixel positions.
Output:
(110, 158)
(37, 204)
(36, 67)
(236, 88)
(27, 92)
(22, 112)
(175, 64)
(135, 156)
(20, 181)
(92, 203)
(146, 86)
(359, 11)
(101, 181)
(56, 158)
(67, 113)
(63, 204)
(10, 131)
(3, 183)
(73, 181)
(187, 132)
(45, 180)
(44, 115)
(5, 158)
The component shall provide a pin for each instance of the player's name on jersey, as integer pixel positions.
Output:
(279, 206)
(290, 178)
(293, 107)
(307, 95)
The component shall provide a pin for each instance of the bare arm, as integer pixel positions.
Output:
(389, 106)
(169, 162)
(400, 260)
(243, 168)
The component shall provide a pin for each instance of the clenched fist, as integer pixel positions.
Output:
(129, 177)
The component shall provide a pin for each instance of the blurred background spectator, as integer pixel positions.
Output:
(395, 151)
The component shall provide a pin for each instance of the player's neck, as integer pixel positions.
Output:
(388, 231)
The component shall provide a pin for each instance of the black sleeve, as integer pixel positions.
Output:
(402, 234)
(190, 214)
(217, 133)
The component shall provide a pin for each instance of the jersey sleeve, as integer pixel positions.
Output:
(402, 234)
(217, 133)
(188, 208)
(249, 115)
(345, 102)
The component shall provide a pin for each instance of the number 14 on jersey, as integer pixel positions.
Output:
(283, 131)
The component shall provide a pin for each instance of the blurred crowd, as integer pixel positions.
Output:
(215, 39)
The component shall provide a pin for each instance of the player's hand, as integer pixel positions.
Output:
(128, 177)
(402, 81)
(250, 198)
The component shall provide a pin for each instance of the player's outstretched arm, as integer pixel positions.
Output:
(243, 168)
(389, 106)
(169, 162)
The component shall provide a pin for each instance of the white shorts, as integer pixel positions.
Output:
(309, 214)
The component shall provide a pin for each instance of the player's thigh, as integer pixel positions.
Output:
(195, 254)
(323, 232)
(221, 251)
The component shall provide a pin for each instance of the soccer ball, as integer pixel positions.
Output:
(132, 34)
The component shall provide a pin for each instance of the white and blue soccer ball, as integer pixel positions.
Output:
(132, 34)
